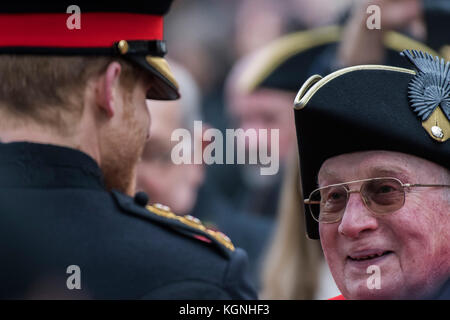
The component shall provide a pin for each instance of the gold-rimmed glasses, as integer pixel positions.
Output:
(380, 196)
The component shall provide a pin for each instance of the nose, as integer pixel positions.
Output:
(357, 219)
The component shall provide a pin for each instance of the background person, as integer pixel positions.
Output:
(260, 109)
(165, 182)
(260, 91)
(210, 53)
(261, 87)
(422, 21)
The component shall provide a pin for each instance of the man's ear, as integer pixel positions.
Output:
(107, 90)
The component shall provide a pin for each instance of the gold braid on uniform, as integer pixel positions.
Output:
(193, 222)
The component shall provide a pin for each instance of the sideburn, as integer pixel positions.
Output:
(126, 144)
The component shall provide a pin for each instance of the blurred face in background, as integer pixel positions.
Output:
(165, 182)
(266, 109)
(410, 246)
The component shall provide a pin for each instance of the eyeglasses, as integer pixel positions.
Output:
(380, 196)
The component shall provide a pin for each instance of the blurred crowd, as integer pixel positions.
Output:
(214, 47)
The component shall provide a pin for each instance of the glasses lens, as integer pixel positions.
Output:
(327, 204)
(383, 195)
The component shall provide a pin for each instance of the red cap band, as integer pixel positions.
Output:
(97, 29)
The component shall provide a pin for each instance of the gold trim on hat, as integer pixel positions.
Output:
(161, 65)
(302, 98)
(308, 84)
(266, 60)
(445, 52)
(269, 58)
(399, 42)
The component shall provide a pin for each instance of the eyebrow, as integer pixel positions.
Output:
(392, 171)
(325, 173)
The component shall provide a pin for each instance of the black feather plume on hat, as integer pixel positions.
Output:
(430, 88)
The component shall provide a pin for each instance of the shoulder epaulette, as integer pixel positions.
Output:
(187, 225)
(193, 222)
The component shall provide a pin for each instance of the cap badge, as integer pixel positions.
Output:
(429, 93)
(123, 47)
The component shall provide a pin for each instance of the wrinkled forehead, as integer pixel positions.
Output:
(370, 164)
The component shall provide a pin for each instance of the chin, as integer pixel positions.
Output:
(374, 294)
(184, 201)
(183, 208)
(390, 292)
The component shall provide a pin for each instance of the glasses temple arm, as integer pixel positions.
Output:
(408, 185)
(308, 201)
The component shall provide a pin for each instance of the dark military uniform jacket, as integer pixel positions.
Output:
(62, 235)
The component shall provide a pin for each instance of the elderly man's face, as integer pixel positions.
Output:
(414, 242)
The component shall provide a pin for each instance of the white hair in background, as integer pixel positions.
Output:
(190, 95)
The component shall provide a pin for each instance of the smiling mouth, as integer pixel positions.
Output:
(368, 256)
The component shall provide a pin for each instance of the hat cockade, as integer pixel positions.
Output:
(429, 93)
